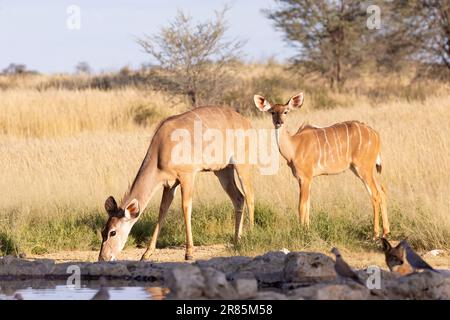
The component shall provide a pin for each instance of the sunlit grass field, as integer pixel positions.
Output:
(64, 151)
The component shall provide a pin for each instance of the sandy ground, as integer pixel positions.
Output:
(359, 259)
(175, 254)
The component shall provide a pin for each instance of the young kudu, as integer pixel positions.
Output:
(315, 151)
(185, 133)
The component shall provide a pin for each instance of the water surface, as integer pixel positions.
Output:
(51, 290)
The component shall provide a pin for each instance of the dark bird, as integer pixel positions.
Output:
(343, 269)
(416, 261)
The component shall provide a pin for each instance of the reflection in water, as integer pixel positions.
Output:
(157, 293)
(103, 293)
(11, 290)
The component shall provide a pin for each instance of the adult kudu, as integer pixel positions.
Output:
(315, 151)
(164, 167)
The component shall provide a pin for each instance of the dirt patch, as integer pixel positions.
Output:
(174, 254)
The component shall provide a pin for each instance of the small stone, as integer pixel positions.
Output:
(444, 290)
(308, 292)
(108, 269)
(246, 288)
(267, 263)
(225, 264)
(342, 292)
(8, 260)
(48, 263)
(269, 295)
(186, 282)
(423, 285)
(434, 253)
(308, 267)
(216, 285)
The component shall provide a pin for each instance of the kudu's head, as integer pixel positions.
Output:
(117, 228)
(278, 111)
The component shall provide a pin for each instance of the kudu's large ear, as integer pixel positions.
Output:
(111, 206)
(261, 103)
(296, 101)
(132, 209)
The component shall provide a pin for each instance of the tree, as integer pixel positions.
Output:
(425, 28)
(327, 34)
(193, 60)
(14, 69)
(83, 68)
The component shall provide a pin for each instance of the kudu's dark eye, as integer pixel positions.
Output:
(285, 112)
(112, 233)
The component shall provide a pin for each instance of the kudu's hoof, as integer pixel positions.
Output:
(146, 256)
(188, 257)
(384, 236)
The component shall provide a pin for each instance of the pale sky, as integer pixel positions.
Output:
(35, 33)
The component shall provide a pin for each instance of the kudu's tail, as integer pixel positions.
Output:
(378, 163)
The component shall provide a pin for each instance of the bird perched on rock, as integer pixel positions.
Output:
(402, 258)
(343, 269)
(416, 261)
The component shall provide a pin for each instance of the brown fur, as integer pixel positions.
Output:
(159, 170)
(315, 151)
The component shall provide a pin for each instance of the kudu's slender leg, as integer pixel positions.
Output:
(366, 175)
(187, 188)
(303, 204)
(166, 201)
(226, 178)
(243, 173)
(383, 208)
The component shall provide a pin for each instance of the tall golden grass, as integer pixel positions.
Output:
(63, 152)
(57, 112)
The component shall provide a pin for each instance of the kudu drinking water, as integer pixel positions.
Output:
(315, 151)
(173, 159)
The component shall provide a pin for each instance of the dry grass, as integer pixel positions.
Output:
(64, 152)
(57, 112)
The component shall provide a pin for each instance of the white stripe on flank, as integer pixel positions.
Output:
(348, 141)
(338, 144)
(221, 111)
(329, 149)
(320, 150)
(369, 142)
(199, 118)
(216, 116)
(360, 137)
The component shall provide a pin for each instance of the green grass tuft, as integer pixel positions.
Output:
(8, 244)
(213, 223)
